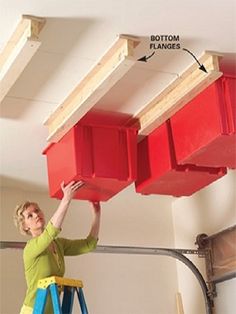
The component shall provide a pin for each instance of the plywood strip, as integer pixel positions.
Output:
(110, 69)
(18, 51)
(179, 303)
(177, 94)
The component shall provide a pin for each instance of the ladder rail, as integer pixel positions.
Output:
(55, 298)
(81, 298)
(68, 300)
(40, 301)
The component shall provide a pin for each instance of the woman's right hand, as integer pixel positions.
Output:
(70, 189)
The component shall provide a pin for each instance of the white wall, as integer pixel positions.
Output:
(226, 297)
(208, 211)
(117, 284)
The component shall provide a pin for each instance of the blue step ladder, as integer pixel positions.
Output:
(54, 285)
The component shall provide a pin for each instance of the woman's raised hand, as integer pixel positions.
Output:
(96, 220)
(70, 189)
(96, 207)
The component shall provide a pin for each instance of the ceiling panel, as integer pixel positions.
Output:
(75, 37)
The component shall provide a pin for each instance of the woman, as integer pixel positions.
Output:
(44, 253)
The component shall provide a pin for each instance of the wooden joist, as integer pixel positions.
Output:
(108, 71)
(18, 51)
(177, 94)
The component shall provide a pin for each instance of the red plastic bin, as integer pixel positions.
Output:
(95, 151)
(158, 172)
(204, 131)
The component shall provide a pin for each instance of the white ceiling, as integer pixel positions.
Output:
(76, 35)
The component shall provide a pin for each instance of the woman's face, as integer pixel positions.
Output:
(33, 219)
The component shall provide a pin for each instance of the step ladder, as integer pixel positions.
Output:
(54, 285)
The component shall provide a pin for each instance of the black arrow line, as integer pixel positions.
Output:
(201, 66)
(145, 58)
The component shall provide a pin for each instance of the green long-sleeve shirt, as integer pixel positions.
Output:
(40, 262)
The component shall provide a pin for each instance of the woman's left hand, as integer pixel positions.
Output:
(96, 207)
(96, 219)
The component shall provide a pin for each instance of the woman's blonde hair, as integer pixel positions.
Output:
(19, 217)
